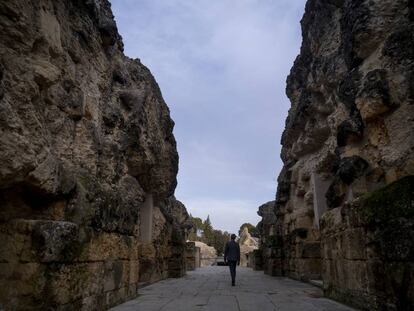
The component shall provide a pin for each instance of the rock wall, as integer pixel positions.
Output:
(208, 254)
(248, 245)
(349, 132)
(267, 258)
(193, 256)
(368, 249)
(88, 162)
(165, 254)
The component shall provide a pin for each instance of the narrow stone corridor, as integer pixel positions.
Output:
(210, 289)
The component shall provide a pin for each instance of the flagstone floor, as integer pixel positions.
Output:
(209, 289)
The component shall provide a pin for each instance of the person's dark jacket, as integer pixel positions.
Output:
(232, 251)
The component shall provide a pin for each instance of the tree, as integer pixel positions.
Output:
(219, 241)
(198, 223)
(208, 231)
(252, 229)
(207, 223)
(196, 232)
(209, 235)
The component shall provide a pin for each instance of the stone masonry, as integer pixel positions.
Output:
(193, 256)
(344, 203)
(88, 162)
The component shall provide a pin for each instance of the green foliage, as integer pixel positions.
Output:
(208, 232)
(207, 222)
(197, 222)
(210, 236)
(219, 240)
(252, 229)
(197, 227)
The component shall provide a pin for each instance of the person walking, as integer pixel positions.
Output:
(232, 257)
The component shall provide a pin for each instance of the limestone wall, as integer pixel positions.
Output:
(192, 259)
(368, 249)
(349, 132)
(256, 260)
(88, 162)
(269, 261)
(208, 254)
(247, 244)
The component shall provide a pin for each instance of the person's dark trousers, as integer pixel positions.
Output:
(232, 266)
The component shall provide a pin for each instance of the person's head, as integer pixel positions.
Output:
(233, 236)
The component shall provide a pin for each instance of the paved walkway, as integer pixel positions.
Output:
(209, 289)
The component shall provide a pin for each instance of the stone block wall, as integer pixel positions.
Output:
(256, 260)
(86, 138)
(267, 231)
(207, 254)
(44, 264)
(368, 249)
(164, 254)
(192, 256)
(301, 256)
(349, 132)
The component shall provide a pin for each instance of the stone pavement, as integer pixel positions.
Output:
(209, 289)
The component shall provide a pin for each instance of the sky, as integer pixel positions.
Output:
(222, 67)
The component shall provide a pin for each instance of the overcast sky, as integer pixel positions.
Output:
(221, 66)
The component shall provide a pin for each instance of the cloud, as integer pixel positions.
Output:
(222, 67)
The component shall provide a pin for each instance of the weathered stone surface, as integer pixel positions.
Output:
(192, 256)
(350, 128)
(208, 254)
(368, 249)
(164, 255)
(267, 230)
(86, 138)
(248, 245)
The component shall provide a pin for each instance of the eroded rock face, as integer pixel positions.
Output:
(85, 138)
(368, 249)
(165, 256)
(267, 230)
(208, 254)
(349, 132)
(248, 245)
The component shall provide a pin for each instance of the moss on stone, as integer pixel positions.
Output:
(389, 214)
(388, 203)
